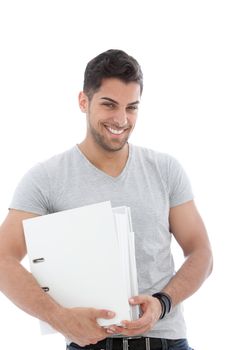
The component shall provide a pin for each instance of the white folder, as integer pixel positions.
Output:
(85, 257)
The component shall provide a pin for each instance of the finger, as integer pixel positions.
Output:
(101, 313)
(138, 299)
(131, 332)
(111, 330)
(143, 321)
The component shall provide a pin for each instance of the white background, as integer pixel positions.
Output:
(185, 50)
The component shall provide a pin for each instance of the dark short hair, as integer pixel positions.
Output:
(111, 64)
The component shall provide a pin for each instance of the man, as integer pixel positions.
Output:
(106, 167)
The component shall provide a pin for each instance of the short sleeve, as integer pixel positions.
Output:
(32, 193)
(179, 187)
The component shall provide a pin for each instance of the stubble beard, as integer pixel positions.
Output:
(112, 146)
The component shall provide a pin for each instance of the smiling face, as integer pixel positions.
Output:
(111, 113)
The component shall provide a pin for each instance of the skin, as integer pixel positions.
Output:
(112, 109)
(114, 106)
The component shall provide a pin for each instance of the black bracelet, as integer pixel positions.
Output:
(165, 301)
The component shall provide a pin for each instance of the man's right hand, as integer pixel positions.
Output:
(80, 325)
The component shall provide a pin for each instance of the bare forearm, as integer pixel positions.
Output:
(77, 324)
(23, 290)
(190, 276)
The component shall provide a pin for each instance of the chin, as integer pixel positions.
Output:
(108, 144)
(111, 148)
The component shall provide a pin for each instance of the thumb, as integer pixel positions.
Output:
(137, 300)
(102, 313)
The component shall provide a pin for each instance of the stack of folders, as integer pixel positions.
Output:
(85, 257)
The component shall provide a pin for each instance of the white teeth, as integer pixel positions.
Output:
(115, 132)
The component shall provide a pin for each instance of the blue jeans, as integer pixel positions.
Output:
(179, 344)
(161, 344)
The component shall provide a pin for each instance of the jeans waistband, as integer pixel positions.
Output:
(134, 343)
(126, 343)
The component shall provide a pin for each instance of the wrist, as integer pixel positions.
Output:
(57, 317)
(165, 301)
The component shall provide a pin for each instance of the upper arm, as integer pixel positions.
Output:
(188, 228)
(12, 242)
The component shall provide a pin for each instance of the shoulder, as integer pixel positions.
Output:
(42, 171)
(55, 164)
(41, 183)
(170, 172)
(166, 166)
(60, 158)
(159, 159)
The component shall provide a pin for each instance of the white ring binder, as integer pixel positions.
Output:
(86, 258)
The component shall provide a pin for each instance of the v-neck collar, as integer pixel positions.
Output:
(101, 172)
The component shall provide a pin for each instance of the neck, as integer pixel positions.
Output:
(109, 162)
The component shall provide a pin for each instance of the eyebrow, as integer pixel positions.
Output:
(113, 101)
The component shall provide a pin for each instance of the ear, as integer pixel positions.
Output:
(83, 102)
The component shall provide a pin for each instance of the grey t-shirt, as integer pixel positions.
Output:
(150, 184)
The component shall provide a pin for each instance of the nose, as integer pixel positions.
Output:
(120, 118)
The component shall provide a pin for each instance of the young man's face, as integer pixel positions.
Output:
(111, 113)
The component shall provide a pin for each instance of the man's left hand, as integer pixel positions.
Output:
(151, 311)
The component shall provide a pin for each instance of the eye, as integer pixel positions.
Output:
(132, 108)
(109, 105)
